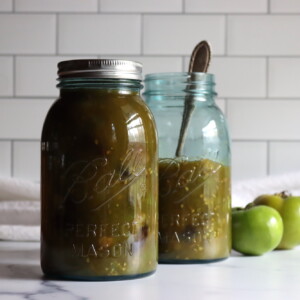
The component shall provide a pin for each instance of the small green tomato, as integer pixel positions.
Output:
(256, 229)
(274, 201)
(289, 208)
(290, 214)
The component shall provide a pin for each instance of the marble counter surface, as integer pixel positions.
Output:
(273, 276)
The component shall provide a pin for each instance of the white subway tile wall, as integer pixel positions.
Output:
(146, 6)
(286, 6)
(258, 119)
(29, 68)
(256, 60)
(24, 163)
(56, 6)
(221, 104)
(99, 34)
(6, 5)
(249, 159)
(263, 35)
(284, 157)
(22, 118)
(153, 64)
(27, 34)
(6, 76)
(228, 6)
(284, 77)
(178, 34)
(5, 158)
(240, 77)
(231, 70)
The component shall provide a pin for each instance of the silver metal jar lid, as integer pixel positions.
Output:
(100, 68)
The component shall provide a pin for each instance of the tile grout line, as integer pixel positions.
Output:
(98, 6)
(268, 158)
(183, 8)
(267, 76)
(241, 98)
(226, 109)
(154, 55)
(27, 98)
(13, 6)
(20, 140)
(142, 35)
(238, 140)
(150, 13)
(12, 158)
(230, 98)
(247, 140)
(182, 64)
(226, 36)
(269, 7)
(56, 33)
(14, 76)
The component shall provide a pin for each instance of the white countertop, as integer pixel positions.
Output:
(275, 275)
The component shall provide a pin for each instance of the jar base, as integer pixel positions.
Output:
(97, 278)
(191, 261)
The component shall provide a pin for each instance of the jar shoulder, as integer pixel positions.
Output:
(71, 114)
(212, 112)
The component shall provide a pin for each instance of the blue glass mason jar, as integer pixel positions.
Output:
(99, 184)
(194, 185)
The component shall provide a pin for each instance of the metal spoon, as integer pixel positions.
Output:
(199, 62)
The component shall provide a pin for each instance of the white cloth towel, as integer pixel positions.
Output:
(19, 209)
(14, 189)
(246, 191)
(20, 202)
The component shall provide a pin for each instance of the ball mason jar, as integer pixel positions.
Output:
(194, 180)
(99, 184)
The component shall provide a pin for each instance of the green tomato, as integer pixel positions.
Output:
(256, 230)
(289, 209)
(290, 214)
(274, 201)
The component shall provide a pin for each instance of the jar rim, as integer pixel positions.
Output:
(100, 68)
(194, 76)
(179, 84)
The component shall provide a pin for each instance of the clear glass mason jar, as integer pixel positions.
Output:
(194, 187)
(99, 184)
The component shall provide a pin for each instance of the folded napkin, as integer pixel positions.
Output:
(20, 202)
(19, 209)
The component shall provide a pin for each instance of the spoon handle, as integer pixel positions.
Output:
(199, 62)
